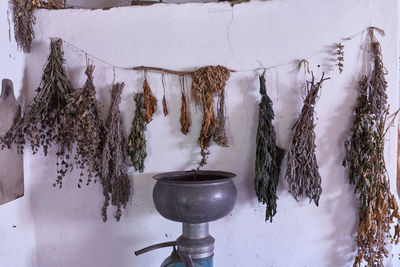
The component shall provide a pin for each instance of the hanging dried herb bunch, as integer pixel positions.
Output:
(367, 171)
(340, 58)
(40, 123)
(208, 82)
(185, 120)
(164, 100)
(114, 175)
(268, 155)
(24, 20)
(81, 117)
(150, 102)
(137, 138)
(302, 168)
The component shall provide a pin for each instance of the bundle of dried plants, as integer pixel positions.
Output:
(81, 117)
(268, 155)
(114, 175)
(367, 170)
(24, 20)
(150, 102)
(302, 172)
(184, 119)
(40, 123)
(208, 82)
(137, 138)
(164, 100)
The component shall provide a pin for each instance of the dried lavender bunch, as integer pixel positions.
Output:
(302, 167)
(268, 155)
(367, 170)
(81, 117)
(137, 138)
(114, 175)
(208, 82)
(40, 123)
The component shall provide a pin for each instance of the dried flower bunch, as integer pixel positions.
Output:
(184, 119)
(208, 82)
(340, 58)
(24, 19)
(81, 117)
(367, 171)
(114, 175)
(302, 168)
(150, 102)
(268, 155)
(40, 123)
(137, 138)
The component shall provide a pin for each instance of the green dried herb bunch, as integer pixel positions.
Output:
(268, 155)
(24, 19)
(367, 170)
(40, 123)
(114, 175)
(81, 117)
(208, 82)
(302, 167)
(137, 138)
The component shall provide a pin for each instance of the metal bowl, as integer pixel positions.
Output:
(194, 196)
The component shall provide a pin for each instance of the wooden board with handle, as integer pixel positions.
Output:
(11, 162)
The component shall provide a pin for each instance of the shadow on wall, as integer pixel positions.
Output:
(338, 196)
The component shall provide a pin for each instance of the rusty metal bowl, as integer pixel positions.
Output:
(194, 196)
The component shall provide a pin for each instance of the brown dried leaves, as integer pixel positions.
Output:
(164, 100)
(184, 119)
(208, 82)
(150, 102)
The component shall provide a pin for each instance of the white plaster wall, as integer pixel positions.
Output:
(64, 228)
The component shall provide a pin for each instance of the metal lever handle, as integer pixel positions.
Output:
(156, 246)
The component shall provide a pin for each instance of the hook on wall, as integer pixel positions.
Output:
(305, 64)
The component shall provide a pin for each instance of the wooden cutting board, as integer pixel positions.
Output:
(11, 163)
